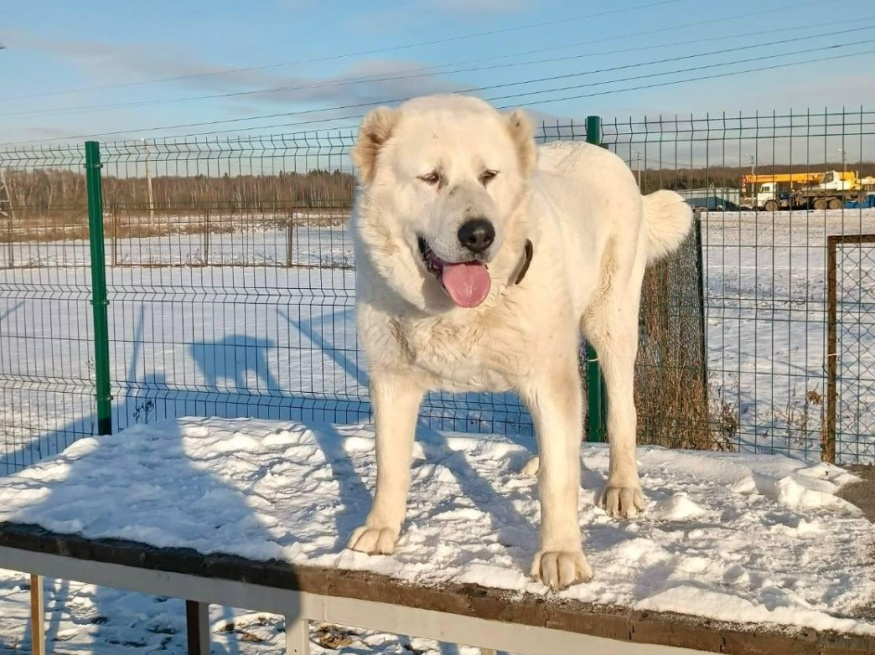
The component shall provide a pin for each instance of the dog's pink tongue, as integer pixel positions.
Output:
(467, 283)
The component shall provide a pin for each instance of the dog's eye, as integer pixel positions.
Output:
(432, 178)
(487, 176)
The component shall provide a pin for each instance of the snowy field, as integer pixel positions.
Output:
(276, 343)
(725, 536)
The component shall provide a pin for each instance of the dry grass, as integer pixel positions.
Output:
(724, 416)
(671, 393)
(798, 417)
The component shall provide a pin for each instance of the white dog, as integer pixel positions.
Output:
(480, 259)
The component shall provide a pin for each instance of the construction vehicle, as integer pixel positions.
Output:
(827, 190)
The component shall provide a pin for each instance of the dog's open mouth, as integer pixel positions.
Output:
(466, 283)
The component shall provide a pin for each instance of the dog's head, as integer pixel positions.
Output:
(442, 181)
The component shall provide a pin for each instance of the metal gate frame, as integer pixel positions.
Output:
(828, 442)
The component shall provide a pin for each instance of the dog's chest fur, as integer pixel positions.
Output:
(477, 355)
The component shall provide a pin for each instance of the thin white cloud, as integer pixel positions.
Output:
(114, 62)
(265, 92)
(125, 63)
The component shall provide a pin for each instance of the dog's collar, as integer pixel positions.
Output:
(528, 252)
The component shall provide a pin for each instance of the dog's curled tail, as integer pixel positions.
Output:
(667, 219)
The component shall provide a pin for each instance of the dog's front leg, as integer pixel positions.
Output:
(396, 405)
(556, 406)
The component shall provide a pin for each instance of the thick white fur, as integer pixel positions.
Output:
(592, 233)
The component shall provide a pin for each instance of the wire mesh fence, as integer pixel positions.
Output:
(46, 345)
(231, 289)
(850, 347)
(774, 188)
(232, 292)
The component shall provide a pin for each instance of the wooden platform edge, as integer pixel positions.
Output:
(655, 628)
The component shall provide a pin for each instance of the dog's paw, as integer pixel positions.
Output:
(530, 470)
(559, 569)
(373, 541)
(622, 501)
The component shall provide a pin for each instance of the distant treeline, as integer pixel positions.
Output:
(53, 191)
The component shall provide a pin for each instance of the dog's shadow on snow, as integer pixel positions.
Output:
(232, 359)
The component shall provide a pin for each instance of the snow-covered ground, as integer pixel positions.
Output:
(725, 536)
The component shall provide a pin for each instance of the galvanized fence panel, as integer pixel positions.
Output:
(231, 289)
(46, 335)
(850, 417)
(764, 272)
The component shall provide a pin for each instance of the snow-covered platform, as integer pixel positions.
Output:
(735, 553)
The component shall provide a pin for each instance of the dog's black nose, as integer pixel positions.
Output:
(476, 234)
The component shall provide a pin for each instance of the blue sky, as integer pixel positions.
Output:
(303, 52)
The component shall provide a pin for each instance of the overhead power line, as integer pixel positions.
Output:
(862, 25)
(674, 27)
(541, 102)
(492, 99)
(356, 117)
(375, 51)
(758, 69)
(747, 60)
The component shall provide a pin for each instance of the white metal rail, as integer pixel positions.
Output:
(301, 607)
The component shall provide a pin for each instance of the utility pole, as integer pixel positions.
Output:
(638, 166)
(752, 174)
(7, 212)
(844, 168)
(149, 186)
(6, 209)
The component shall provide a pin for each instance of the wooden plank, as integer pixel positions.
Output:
(278, 587)
(197, 627)
(379, 616)
(37, 616)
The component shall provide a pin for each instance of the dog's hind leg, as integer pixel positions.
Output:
(396, 404)
(555, 402)
(611, 325)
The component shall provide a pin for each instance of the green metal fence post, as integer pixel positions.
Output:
(700, 279)
(99, 300)
(595, 384)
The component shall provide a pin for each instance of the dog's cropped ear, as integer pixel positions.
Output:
(373, 133)
(522, 130)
